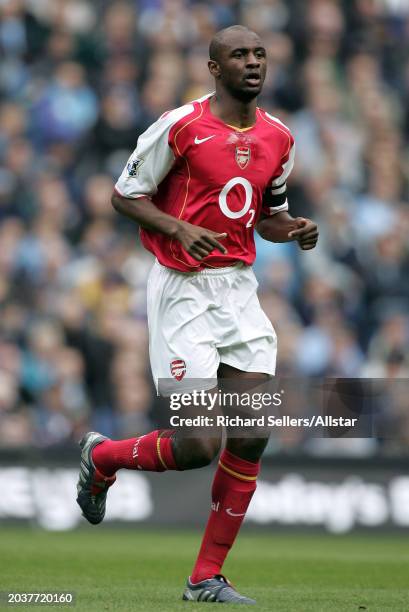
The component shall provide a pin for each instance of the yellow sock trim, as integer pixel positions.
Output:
(236, 474)
(159, 453)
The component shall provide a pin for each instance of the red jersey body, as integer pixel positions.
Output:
(197, 168)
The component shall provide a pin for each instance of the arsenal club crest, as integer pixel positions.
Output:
(242, 156)
(178, 368)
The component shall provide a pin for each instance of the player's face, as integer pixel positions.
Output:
(241, 69)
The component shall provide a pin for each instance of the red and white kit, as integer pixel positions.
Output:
(197, 168)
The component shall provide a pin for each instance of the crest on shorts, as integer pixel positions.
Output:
(133, 166)
(242, 156)
(178, 368)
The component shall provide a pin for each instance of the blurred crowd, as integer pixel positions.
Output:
(79, 81)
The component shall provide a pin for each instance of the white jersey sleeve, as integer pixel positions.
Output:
(152, 159)
(287, 166)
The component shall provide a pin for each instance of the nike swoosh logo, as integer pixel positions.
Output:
(200, 140)
(230, 511)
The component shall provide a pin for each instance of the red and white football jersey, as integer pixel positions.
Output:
(201, 170)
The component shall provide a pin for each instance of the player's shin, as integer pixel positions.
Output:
(233, 487)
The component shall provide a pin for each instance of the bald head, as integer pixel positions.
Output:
(224, 38)
(237, 63)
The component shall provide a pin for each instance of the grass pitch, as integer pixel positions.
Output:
(135, 570)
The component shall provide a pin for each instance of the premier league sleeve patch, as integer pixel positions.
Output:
(134, 165)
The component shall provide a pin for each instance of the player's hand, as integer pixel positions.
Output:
(198, 241)
(306, 235)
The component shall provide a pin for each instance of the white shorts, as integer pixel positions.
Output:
(201, 319)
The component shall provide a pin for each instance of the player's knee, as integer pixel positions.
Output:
(200, 452)
(249, 449)
(207, 450)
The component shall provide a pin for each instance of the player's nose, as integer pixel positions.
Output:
(252, 60)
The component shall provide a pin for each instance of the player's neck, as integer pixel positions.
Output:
(234, 112)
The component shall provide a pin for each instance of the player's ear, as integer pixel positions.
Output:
(214, 68)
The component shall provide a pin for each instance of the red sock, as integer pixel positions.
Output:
(233, 487)
(152, 452)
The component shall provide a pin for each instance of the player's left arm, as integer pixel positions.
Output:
(282, 227)
(275, 223)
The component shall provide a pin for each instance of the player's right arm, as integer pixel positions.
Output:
(148, 165)
(197, 241)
